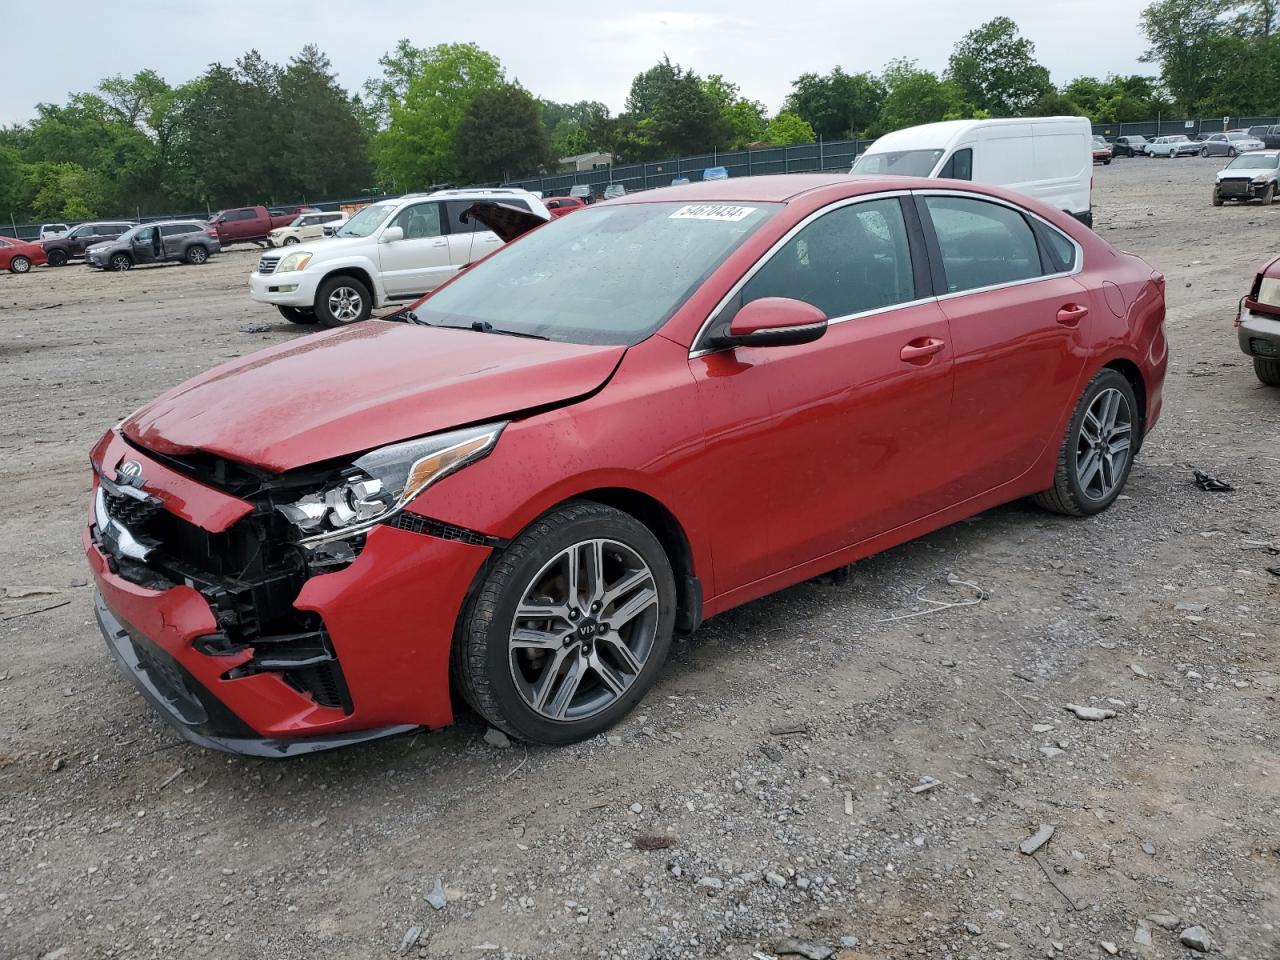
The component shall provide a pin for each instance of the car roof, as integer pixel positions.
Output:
(777, 188)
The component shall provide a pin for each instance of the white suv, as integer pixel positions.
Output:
(394, 250)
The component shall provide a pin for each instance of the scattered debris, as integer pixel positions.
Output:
(636, 808)
(1108, 946)
(1037, 839)
(171, 777)
(1164, 920)
(436, 897)
(1142, 935)
(58, 764)
(789, 946)
(1139, 672)
(1197, 938)
(28, 613)
(1052, 752)
(256, 328)
(926, 783)
(1212, 484)
(788, 729)
(937, 606)
(1042, 728)
(1089, 713)
(496, 738)
(714, 883)
(1149, 849)
(654, 841)
(973, 929)
(775, 879)
(410, 939)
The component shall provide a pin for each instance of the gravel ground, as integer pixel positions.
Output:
(761, 801)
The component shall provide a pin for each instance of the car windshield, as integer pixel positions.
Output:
(366, 220)
(1254, 161)
(610, 275)
(903, 163)
(299, 222)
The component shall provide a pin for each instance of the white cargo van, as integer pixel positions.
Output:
(1049, 158)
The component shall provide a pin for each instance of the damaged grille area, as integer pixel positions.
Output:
(250, 575)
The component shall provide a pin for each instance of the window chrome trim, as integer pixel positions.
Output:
(695, 351)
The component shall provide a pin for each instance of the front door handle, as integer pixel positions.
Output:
(920, 350)
(440, 243)
(1070, 314)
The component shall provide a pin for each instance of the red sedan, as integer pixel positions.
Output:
(19, 256)
(755, 381)
(559, 206)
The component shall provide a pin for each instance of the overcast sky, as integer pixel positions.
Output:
(561, 51)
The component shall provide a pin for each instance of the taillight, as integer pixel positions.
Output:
(212, 232)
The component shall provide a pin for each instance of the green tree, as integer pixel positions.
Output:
(1181, 34)
(326, 144)
(744, 119)
(501, 136)
(418, 146)
(683, 116)
(787, 128)
(574, 127)
(994, 68)
(916, 96)
(838, 105)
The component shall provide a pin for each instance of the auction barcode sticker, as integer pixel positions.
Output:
(712, 211)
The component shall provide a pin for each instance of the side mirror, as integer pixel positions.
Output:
(774, 322)
(392, 234)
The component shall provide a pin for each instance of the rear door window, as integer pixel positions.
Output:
(983, 244)
(177, 229)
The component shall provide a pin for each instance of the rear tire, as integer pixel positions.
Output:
(57, 258)
(342, 301)
(1268, 371)
(20, 264)
(555, 679)
(197, 255)
(1097, 451)
(120, 262)
(297, 314)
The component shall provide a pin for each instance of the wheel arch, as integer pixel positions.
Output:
(354, 271)
(662, 523)
(1133, 373)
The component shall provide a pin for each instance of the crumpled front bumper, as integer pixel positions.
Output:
(389, 616)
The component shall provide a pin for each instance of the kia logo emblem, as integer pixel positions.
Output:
(586, 628)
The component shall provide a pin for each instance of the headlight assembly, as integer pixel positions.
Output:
(379, 484)
(294, 261)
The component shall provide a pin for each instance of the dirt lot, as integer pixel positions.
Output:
(119, 840)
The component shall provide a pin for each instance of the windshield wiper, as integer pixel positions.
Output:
(484, 326)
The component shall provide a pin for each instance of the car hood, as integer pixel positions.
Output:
(334, 394)
(1245, 173)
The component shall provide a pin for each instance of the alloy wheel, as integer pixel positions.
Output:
(120, 262)
(197, 255)
(345, 304)
(583, 630)
(20, 264)
(1102, 447)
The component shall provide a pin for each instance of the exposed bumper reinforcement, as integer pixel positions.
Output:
(196, 713)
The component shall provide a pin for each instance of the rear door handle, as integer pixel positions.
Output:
(1069, 314)
(919, 350)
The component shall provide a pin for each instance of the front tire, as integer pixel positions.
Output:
(569, 627)
(1268, 371)
(297, 314)
(290, 241)
(1204, 151)
(20, 264)
(57, 258)
(1097, 451)
(1231, 151)
(342, 301)
(120, 262)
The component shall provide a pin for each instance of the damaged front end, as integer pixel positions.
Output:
(291, 616)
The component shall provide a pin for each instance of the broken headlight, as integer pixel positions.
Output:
(382, 482)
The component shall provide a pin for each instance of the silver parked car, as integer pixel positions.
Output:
(168, 241)
(1250, 176)
(1229, 144)
(1178, 145)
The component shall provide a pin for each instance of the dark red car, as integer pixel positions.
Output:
(19, 256)
(252, 224)
(559, 206)
(755, 381)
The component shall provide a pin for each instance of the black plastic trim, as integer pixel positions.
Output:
(415, 523)
(196, 713)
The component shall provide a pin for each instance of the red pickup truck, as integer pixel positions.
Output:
(252, 224)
